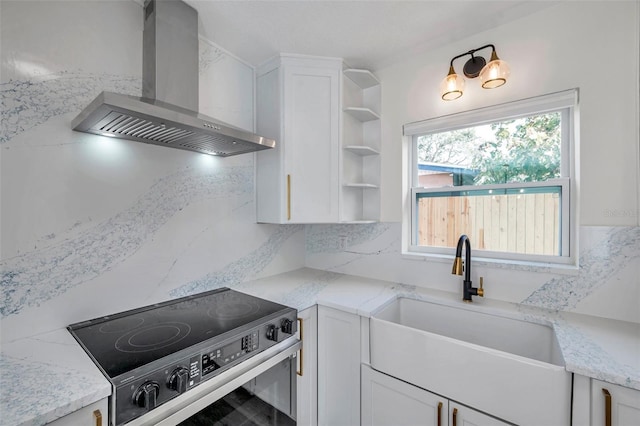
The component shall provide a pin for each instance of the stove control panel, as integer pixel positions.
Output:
(146, 396)
(140, 394)
(178, 380)
(272, 332)
(286, 325)
(218, 357)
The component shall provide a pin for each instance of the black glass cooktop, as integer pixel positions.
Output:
(128, 340)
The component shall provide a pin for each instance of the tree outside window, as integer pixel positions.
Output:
(525, 149)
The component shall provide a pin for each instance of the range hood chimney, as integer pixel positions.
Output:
(166, 114)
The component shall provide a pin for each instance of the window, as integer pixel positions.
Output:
(501, 175)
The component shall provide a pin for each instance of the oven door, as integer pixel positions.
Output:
(260, 390)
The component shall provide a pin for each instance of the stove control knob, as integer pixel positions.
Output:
(178, 380)
(146, 395)
(272, 332)
(286, 326)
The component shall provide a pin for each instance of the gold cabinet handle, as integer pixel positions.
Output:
(455, 417)
(288, 197)
(439, 413)
(301, 357)
(607, 407)
(97, 416)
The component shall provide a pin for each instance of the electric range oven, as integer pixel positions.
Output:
(216, 358)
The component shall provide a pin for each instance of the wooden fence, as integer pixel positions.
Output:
(523, 223)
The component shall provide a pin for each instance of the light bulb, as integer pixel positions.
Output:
(452, 86)
(495, 73)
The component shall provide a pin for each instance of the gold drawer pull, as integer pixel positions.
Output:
(607, 407)
(301, 357)
(97, 416)
(439, 413)
(455, 417)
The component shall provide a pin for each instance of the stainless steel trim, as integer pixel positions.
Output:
(166, 114)
(170, 53)
(198, 398)
(155, 122)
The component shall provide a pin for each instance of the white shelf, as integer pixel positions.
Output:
(361, 138)
(361, 150)
(363, 78)
(360, 185)
(362, 114)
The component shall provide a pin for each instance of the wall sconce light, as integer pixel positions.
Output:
(492, 75)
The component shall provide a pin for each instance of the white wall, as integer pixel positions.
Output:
(587, 45)
(92, 225)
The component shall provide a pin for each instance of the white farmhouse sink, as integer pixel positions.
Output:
(508, 368)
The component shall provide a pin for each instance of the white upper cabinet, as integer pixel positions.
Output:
(325, 167)
(298, 101)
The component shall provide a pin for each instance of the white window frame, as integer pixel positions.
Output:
(566, 102)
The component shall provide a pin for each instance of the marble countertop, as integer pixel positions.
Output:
(45, 377)
(48, 376)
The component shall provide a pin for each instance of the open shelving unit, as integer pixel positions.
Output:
(361, 142)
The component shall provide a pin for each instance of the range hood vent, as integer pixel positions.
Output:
(170, 76)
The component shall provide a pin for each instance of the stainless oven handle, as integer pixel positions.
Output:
(181, 408)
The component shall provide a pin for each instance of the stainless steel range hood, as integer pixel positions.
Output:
(166, 114)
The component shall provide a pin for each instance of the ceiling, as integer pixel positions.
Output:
(369, 34)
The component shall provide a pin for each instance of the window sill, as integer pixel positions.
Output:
(515, 265)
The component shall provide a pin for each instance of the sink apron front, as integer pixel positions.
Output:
(511, 387)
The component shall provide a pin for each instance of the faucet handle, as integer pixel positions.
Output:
(481, 289)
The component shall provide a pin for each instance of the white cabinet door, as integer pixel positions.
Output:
(311, 129)
(338, 368)
(298, 104)
(387, 401)
(92, 415)
(613, 405)
(307, 413)
(460, 415)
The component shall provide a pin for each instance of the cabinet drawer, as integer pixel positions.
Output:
(613, 405)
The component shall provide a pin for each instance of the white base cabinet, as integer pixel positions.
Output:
(95, 414)
(461, 415)
(307, 384)
(613, 405)
(387, 401)
(338, 368)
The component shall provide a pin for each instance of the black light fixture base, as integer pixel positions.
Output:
(473, 66)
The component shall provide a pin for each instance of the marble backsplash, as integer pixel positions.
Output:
(93, 225)
(191, 227)
(606, 282)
